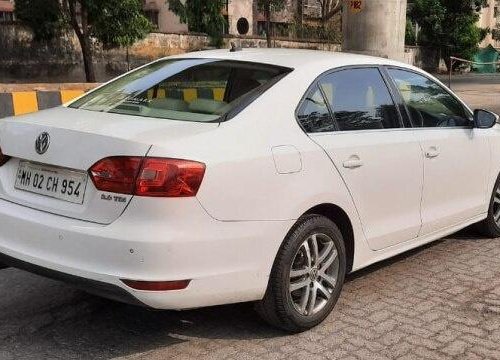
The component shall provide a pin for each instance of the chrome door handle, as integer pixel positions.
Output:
(352, 163)
(432, 152)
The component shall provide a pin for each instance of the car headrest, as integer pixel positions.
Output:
(206, 106)
(169, 104)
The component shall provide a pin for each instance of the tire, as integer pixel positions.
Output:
(298, 310)
(489, 227)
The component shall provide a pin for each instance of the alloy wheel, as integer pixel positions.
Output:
(313, 274)
(496, 206)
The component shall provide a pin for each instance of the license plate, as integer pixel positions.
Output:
(60, 183)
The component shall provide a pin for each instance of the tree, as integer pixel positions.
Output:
(268, 7)
(450, 26)
(410, 33)
(112, 22)
(329, 8)
(204, 16)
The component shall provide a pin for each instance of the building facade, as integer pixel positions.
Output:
(162, 18)
(242, 17)
(490, 18)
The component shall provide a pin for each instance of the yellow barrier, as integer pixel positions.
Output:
(24, 102)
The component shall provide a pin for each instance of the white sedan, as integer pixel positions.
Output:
(254, 175)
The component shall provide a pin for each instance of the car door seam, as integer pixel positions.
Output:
(343, 180)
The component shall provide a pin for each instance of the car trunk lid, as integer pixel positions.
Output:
(77, 140)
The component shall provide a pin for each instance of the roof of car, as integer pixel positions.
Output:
(293, 58)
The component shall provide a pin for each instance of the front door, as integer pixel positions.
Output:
(456, 156)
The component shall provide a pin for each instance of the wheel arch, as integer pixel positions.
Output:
(341, 219)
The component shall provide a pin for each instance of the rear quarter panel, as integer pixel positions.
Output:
(242, 183)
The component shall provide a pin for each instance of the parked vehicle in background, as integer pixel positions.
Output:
(254, 175)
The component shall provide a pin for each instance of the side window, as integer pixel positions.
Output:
(360, 100)
(428, 103)
(313, 114)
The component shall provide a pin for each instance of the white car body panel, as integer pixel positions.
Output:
(262, 174)
(455, 180)
(391, 163)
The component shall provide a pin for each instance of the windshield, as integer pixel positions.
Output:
(183, 89)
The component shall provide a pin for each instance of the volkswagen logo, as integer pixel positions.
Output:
(42, 143)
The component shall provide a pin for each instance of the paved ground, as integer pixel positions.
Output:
(478, 90)
(438, 302)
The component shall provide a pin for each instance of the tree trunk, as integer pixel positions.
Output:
(88, 59)
(268, 24)
(299, 18)
(128, 59)
(82, 33)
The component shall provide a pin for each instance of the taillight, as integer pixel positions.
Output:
(3, 158)
(169, 177)
(116, 174)
(159, 177)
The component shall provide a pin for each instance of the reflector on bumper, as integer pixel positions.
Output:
(156, 285)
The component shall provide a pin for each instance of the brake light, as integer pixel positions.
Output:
(158, 177)
(3, 158)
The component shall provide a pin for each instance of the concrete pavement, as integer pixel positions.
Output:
(438, 302)
(477, 90)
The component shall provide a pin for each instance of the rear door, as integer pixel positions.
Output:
(456, 155)
(379, 160)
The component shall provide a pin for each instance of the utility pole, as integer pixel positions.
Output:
(374, 27)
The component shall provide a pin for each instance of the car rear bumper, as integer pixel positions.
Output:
(92, 286)
(227, 262)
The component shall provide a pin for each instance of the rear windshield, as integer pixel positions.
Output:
(204, 90)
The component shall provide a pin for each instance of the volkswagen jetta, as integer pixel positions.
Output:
(255, 175)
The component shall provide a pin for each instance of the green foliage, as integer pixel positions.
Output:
(117, 22)
(330, 32)
(42, 16)
(410, 35)
(450, 25)
(203, 16)
(113, 22)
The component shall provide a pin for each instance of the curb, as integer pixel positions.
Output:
(24, 102)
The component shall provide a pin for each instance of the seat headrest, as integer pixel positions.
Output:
(169, 104)
(206, 106)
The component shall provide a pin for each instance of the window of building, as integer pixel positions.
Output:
(153, 16)
(6, 16)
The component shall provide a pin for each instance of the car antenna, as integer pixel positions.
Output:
(234, 47)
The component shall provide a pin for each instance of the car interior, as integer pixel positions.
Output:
(201, 92)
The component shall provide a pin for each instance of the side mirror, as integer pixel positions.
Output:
(484, 119)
